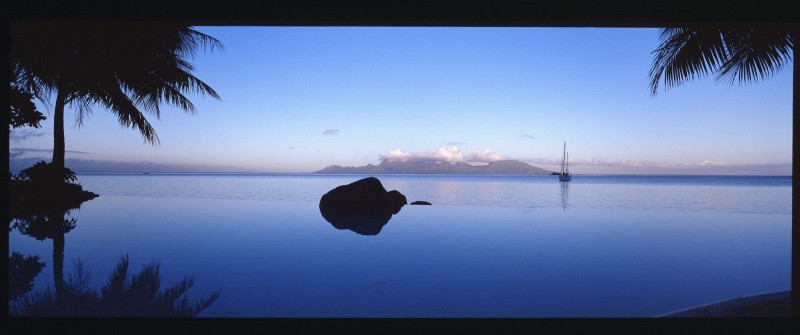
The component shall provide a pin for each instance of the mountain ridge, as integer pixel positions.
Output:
(402, 167)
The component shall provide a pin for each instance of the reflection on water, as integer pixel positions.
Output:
(123, 295)
(658, 193)
(361, 223)
(45, 220)
(22, 270)
(284, 260)
(42, 210)
(603, 258)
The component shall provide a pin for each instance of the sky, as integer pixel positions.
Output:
(298, 99)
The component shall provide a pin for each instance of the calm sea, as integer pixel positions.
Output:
(489, 246)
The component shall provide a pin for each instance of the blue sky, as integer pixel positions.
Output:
(297, 99)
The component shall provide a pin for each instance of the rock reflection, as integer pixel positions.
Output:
(361, 223)
(363, 206)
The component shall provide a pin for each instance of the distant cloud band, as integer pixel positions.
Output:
(626, 163)
(18, 135)
(449, 154)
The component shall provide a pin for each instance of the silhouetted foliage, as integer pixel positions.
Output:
(22, 110)
(741, 53)
(21, 272)
(44, 190)
(125, 67)
(135, 296)
(42, 226)
(43, 173)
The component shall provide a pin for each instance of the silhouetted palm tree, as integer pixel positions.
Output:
(742, 53)
(127, 68)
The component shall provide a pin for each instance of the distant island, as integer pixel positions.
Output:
(400, 167)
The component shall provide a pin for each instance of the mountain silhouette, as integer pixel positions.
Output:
(389, 167)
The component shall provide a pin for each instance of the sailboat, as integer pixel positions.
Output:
(564, 175)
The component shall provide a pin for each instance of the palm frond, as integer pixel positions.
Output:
(117, 281)
(686, 53)
(84, 110)
(146, 283)
(80, 281)
(128, 114)
(202, 304)
(171, 294)
(196, 40)
(172, 95)
(36, 303)
(186, 308)
(78, 297)
(755, 54)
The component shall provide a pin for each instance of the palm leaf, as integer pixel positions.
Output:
(755, 54)
(743, 53)
(36, 303)
(117, 281)
(80, 281)
(170, 295)
(686, 53)
(146, 283)
(128, 114)
(186, 308)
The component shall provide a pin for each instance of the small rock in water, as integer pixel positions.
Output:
(419, 202)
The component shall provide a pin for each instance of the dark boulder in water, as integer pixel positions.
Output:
(363, 206)
(420, 202)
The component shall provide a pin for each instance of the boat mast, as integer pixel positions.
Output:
(564, 159)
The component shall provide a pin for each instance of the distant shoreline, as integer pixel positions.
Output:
(407, 174)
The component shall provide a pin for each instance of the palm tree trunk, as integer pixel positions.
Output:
(795, 225)
(58, 131)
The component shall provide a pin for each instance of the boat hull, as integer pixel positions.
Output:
(562, 177)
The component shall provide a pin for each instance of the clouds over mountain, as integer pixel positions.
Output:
(449, 154)
(484, 156)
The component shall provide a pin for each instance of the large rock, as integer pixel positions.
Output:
(363, 206)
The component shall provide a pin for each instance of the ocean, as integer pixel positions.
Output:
(488, 246)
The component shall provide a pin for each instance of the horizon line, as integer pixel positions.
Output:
(423, 174)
